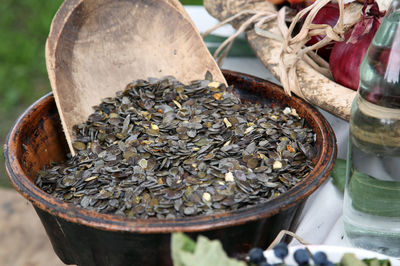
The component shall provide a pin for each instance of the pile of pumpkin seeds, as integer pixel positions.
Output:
(167, 150)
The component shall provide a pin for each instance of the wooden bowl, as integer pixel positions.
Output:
(87, 238)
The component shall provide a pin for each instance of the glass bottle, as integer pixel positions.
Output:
(371, 211)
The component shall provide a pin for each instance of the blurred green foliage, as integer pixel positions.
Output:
(24, 26)
(192, 2)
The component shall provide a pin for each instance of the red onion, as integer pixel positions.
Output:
(346, 56)
(329, 14)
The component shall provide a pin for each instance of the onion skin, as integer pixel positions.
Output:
(346, 57)
(329, 14)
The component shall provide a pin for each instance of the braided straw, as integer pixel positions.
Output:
(256, 15)
(293, 47)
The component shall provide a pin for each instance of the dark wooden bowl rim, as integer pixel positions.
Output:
(301, 191)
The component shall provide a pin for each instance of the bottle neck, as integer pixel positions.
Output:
(394, 6)
(380, 69)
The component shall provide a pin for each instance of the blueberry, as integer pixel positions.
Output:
(281, 250)
(301, 256)
(328, 263)
(320, 258)
(256, 255)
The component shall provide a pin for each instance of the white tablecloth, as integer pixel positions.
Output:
(321, 221)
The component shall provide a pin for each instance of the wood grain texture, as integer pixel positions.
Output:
(96, 47)
(317, 89)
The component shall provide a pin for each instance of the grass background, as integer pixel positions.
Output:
(24, 26)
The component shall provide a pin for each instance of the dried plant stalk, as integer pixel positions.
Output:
(282, 234)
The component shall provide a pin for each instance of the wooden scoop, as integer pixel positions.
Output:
(96, 47)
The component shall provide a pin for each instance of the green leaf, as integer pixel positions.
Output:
(181, 244)
(368, 194)
(212, 253)
(203, 253)
(349, 259)
(338, 174)
(376, 262)
(373, 196)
